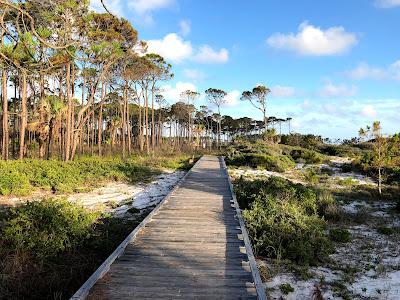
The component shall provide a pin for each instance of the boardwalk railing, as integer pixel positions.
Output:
(249, 250)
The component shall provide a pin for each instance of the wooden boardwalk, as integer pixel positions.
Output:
(191, 248)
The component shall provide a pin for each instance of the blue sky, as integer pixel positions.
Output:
(332, 65)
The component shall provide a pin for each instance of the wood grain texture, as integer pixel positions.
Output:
(192, 248)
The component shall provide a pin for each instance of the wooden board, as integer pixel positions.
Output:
(192, 247)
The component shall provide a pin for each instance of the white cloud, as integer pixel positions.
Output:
(172, 93)
(143, 9)
(147, 6)
(365, 71)
(194, 74)
(331, 90)
(306, 104)
(295, 124)
(369, 111)
(394, 70)
(282, 91)
(184, 27)
(175, 49)
(114, 6)
(387, 3)
(206, 54)
(311, 40)
(232, 98)
(172, 47)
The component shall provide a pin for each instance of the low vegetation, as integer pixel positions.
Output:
(325, 205)
(258, 156)
(21, 177)
(262, 154)
(49, 248)
(283, 219)
(339, 235)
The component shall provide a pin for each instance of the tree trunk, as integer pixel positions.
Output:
(170, 132)
(146, 115)
(140, 126)
(14, 127)
(128, 125)
(81, 137)
(5, 116)
(68, 128)
(220, 133)
(153, 125)
(50, 139)
(380, 181)
(123, 125)
(190, 128)
(24, 116)
(42, 135)
(92, 135)
(265, 121)
(100, 119)
(160, 128)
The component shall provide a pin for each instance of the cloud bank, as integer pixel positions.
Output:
(314, 41)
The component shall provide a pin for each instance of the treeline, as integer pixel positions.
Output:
(79, 82)
(52, 51)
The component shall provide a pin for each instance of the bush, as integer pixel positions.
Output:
(45, 228)
(328, 207)
(308, 141)
(348, 182)
(283, 221)
(308, 156)
(286, 288)
(12, 182)
(259, 154)
(24, 275)
(339, 235)
(311, 176)
(275, 162)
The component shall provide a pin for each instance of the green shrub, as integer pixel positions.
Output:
(275, 162)
(12, 182)
(249, 191)
(324, 200)
(282, 219)
(45, 228)
(311, 176)
(286, 288)
(327, 206)
(308, 141)
(259, 155)
(348, 182)
(307, 156)
(339, 235)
